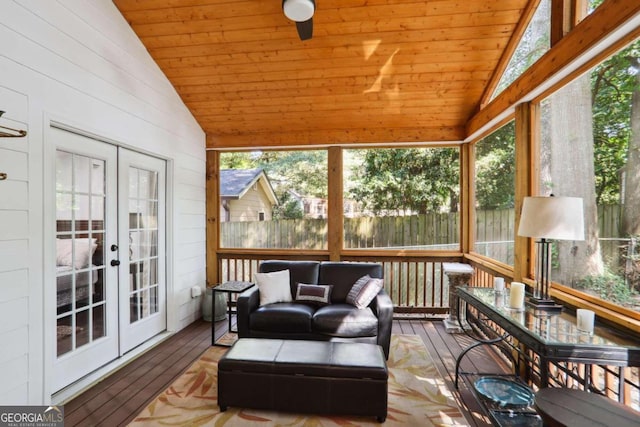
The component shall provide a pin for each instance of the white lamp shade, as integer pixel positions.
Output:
(556, 218)
(298, 10)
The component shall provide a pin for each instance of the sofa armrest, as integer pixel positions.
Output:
(247, 303)
(382, 307)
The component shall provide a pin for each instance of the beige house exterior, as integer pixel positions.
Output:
(246, 195)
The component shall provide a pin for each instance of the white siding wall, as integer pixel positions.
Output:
(79, 63)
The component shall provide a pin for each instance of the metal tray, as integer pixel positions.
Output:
(504, 392)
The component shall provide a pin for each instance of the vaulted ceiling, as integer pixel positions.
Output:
(375, 71)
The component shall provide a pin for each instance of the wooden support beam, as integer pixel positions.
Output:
(527, 173)
(565, 15)
(605, 20)
(335, 211)
(355, 136)
(213, 214)
(531, 8)
(467, 197)
(560, 18)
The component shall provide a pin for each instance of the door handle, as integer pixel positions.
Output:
(114, 248)
(115, 262)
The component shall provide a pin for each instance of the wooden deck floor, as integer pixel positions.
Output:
(120, 397)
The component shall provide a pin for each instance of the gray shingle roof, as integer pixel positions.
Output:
(234, 181)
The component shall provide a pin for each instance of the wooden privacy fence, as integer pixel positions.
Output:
(428, 231)
(494, 233)
(416, 284)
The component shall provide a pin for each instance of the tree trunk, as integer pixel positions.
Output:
(631, 206)
(572, 172)
(631, 201)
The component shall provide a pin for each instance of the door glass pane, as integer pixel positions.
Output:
(98, 322)
(65, 334)
(83, 328)
(80, 215)
(97, 179)
(63, 172)
(143, 250)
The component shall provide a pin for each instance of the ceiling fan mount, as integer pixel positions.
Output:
(301, 12)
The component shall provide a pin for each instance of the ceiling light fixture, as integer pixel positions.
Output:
(299, 10)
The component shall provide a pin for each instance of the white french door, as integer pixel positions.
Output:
(141, 217)
(110, 251)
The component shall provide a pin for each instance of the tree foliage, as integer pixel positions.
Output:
(612, 83)
(404, 181)
(495, 169)
(303, 172)
(289, 208)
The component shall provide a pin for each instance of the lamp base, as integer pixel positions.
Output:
(544, 304)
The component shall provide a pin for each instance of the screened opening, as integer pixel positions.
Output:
(591, 149)
(495, 194)
(273, 199)
(402, 198)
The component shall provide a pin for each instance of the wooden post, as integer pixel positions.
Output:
(335, 211)
(467, 197)
(213, 213)
(565, 15)
(527, 173)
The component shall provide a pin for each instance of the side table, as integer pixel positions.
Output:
(566, 407)
(231, 287)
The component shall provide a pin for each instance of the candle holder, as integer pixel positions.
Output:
(585, 320)
(516, 296)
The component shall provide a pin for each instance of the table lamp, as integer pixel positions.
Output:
(549, 218)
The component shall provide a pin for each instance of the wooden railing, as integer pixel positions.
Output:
(416, 284)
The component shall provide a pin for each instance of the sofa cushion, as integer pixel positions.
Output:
(313, 294)
(282, 317)
(364, 291)
(299, 271)
(274, 287)
(342, 275)
(344, 320)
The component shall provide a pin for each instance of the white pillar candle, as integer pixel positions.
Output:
(498, 284)
(516, 295)
(585, 320)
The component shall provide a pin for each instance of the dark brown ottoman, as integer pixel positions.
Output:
(316, 377)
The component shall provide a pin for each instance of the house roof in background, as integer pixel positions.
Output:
(234, 183)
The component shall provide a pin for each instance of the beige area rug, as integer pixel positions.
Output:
(227, 339)
(418, 396)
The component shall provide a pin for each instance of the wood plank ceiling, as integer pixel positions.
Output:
(375, 71)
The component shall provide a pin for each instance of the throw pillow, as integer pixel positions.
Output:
(313, 294)
(363, 291)
(274, 287)
(84, 249)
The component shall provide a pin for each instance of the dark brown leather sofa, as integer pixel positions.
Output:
(337, 321)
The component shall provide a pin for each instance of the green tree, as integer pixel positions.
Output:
(411, 180)
(237, 160)
(289, 208)
(613, 83)
(495, 169)
(304, 172)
